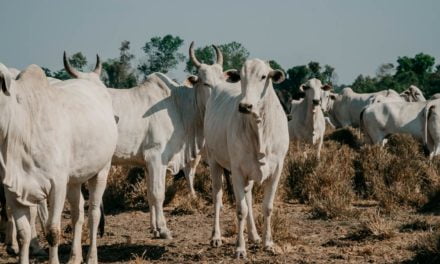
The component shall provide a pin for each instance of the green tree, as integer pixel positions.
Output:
(386, 69)
(329, 76)
(119, 72)
(162, 54)
(234, 55)
(275, 65)
(414, 70)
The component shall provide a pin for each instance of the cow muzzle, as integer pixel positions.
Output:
(245, 108)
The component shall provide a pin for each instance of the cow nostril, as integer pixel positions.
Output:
(244, 108)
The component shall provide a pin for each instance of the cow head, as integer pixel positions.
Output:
(317, 94)
(413, 94)
(209, 76)
(93, 76)
(256, 79)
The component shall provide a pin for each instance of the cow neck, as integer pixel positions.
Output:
(191, 116)
(17, 156)
(260, 131)
(310, 114)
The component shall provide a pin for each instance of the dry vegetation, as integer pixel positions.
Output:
(357, 204)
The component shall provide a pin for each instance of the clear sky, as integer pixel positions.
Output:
(354, 36)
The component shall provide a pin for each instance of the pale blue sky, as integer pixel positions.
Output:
(354, 36)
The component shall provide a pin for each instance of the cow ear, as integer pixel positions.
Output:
(303, 88)
(232, 76)
(191, 80)
(277, 76)
(5, 81)
(326, 87)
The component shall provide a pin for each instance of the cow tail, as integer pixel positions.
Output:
(361, 121)
(3, 212)
(101, 226)
(428, 109)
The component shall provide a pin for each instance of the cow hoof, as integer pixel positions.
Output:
(12, 251)
(256, 239)
(165, 235)
(156, 234)
(240, 254)
(269, 249)
(216, 242)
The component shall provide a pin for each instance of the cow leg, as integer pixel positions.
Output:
(76, 202)
(21, 215)
(252, 230)
(36, 250)
(240, 189)
(11, 235)
(318, 154)
(190, 172)
(96, 188)
(217, 195)
(270, 188)
(156, 188)
(43, 214)
(57, 197)
(152, 208)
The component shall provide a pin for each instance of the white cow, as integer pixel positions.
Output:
(160, 125)
(246, 133)
(346, 107)
(7, 223)
(419, 119)
(307, 118)
(209, 76)
(413, 94)
(55, 138)
(435, 96)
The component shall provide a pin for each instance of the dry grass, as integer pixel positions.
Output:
(427, 249)
(126, 189)
(398, 175)
(326, 185)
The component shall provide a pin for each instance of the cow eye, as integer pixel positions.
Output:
(263, 77)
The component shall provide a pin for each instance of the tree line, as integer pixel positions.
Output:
(161, 54)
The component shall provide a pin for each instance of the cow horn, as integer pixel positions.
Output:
(192, 56)
(71, 71)
(98, 66)
(219, 55)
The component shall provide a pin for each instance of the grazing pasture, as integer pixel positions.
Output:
(360, 203)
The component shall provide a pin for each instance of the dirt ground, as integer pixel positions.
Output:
(299, 238)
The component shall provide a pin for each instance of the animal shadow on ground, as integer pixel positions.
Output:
(117, 252)
(432, 206)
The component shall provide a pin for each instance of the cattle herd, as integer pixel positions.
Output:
(57, 135)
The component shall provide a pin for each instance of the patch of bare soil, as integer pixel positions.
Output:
(367, 238)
